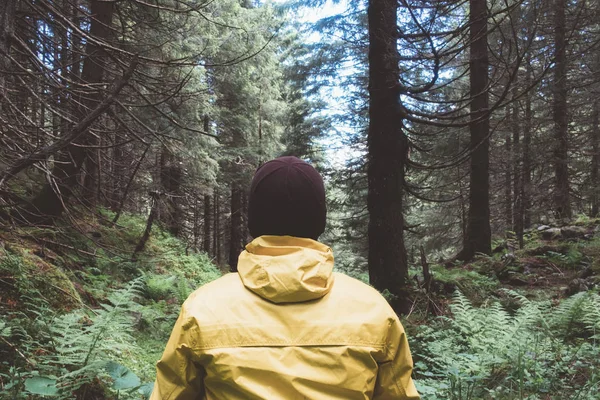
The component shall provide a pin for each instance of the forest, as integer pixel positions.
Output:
(459, 141)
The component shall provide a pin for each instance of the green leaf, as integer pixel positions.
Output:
(41, 385)
(146, 389)
(123, 377)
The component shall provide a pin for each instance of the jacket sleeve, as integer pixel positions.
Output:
(394, 381)
(178, 377)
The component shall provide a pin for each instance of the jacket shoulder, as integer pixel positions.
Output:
(360, 294)
(227, 286)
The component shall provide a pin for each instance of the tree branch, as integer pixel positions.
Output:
(80, 128)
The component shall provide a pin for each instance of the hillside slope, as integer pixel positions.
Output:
(79, 318)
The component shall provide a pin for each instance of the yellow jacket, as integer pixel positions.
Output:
(286, 327)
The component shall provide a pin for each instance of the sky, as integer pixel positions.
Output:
(336, 152)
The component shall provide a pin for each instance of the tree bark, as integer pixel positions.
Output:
(508, 201)
(7, 27)
(129, 183)
(155, 198)
(594, 173)
(217, 228)
(562, 202)
(236, 232)
(171, 176)
(518, 172)
(479, 235)
(387, 152)
(207, 224)
(526, 174)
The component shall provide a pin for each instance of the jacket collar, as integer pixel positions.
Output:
(286, 269)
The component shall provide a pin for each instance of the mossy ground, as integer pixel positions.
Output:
(75, 266)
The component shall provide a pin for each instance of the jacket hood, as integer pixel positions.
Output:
(286, 269)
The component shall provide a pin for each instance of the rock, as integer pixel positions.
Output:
(562, 248)
(591, 282)
(500, 248)
(577, 285)
(517, 280)
(552, 233)
(572, 232)
(542, 228)
(508, 258)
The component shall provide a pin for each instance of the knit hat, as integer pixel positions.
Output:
(287, 197)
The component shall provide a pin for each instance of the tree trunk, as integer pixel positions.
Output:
(518, 173)
(236, 232)
(7, 26)
(508, 201)
(595, 182)
(155, 198)
(196, 228)
(129, 183)
(526, 175)
(207, 224)
(171, 175)
(387, 152)
(51, 200)
(562, 202)
(479, 235)
(217, 228)
(246, 231)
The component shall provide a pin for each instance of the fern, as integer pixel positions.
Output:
(487, 352)
(67, 351)
(85, 341)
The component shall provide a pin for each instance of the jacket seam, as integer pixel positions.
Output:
(285, 344)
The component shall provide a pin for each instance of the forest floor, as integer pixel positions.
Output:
(522, 323)
(80, 319)
(555, 262)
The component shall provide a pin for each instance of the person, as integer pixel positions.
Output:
(285, 326)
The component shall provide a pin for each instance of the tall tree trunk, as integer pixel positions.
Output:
(117, 172)
(217, 228)
(51, 200)
(125, 191)
(246, 231)
(508, 201)
(526, 174)
(7, 26)
(562, 202)
(236, 232)
(154, 199)
(518, 172)
(207, 223)
(171, 176)
(387, 152)
(479, 235)
(594, 173)
(196, 227)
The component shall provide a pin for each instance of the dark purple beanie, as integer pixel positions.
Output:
(287, 197)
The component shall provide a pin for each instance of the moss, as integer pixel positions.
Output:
(27, 275)
(591, 250)
(476, 285)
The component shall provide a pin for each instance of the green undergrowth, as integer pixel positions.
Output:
(78, 318)
(512, 325)
(540, 350)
